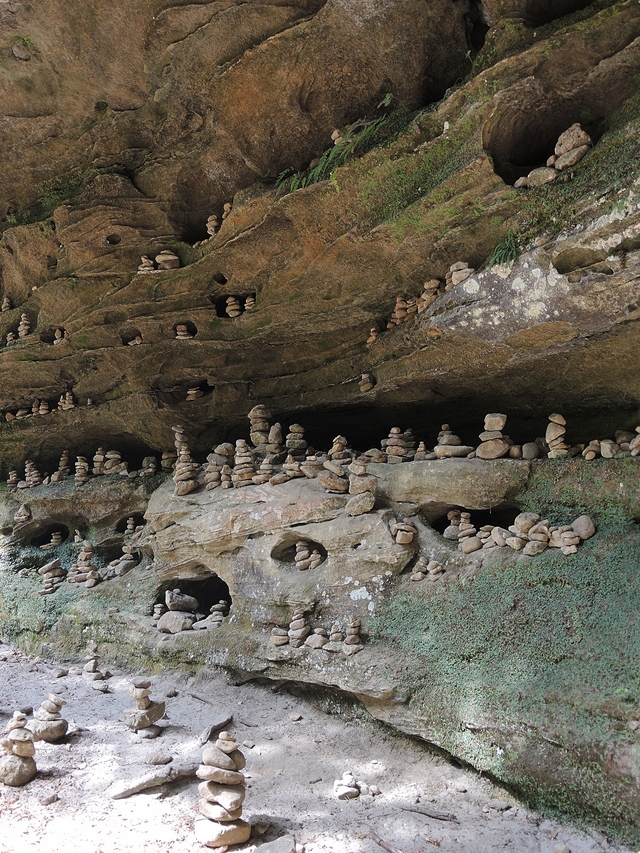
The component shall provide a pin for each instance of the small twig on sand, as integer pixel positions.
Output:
(435, 841)
(382, 843)
(430, 813)
(200, 698)
(248, 725)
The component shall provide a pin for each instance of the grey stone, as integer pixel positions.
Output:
(174, 621)
(16, 770)
(137, 719)
(584, 527)
(213, 834)
(541, 176)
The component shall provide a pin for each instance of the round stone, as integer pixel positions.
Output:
(16, 770)
(213, 834)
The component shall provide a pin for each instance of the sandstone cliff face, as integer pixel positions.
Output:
(121, 134)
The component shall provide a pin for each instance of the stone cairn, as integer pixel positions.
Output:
(47, 723)
(306, 559)
(182, 332)
(259, 428)
(295, 442)
(167, 260)
(571, 147)
(18, 766)
(233, 308)
(82, 475)
(7, 304)
(449, 445)
(113, 463)
(421, 453)
(352, 642)
(216, 616)
(453, 529)
(24, 327)
(64, 468)
(32, 477)
(13, 480)
(405, 309)
(332, 477)
(143, 718)
(83, 570)
(194, 394)
(458, 272)
(168, 460)
(335, 640)
(146, 265)
(361, 486)
(374, 334)
(60, 336)
(92, 673)
(249, 302)
(428, 295)
(529, 534)
(66, 401)
(403, 531)
(158, 611)
(23, 514)
(11, 338)
(554, 437)
(53, 575)
(395, 446)
(222, 792)
(227, 207)
(149, 467)
(291, 469)
(213, 225)
(494, 444)
(226, 477)
(185, 474)
(181, 613)
(312, 466)
(212, 473)
(243, 470)
(298, 630)
(429, 569)
(264, 473)
(121, 565)
(56, 540)
(366, 382)
(131, 526)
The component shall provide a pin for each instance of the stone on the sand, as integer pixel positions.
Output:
(17, 770)
(213, 834)
(137, 718)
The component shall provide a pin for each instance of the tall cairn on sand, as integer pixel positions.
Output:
(18, 766)
(222, 793)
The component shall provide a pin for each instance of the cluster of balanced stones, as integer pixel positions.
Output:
(366, 382)
(232, 307)
(555, 437)
(55, 541)
(301, 634)
(429, 294)
(84, 570)
(529, 534)
(295, 442)
(449, 445)
(361, 487)
(194, 394)
(425, 568)
(18, 766)
(53, 575)
(406, 308)
(143, 718)
(571, 147)
(48, 723)
(493, 444)
(305, 558)
(222, 793)
(403, 531)
(7, 304)
(243, 470)
(458, 272)
(181, 612)
(624, 442)
(349, 788)
(43, 407)
(165, 260)
(92, 673)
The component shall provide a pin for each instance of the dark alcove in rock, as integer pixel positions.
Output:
(208, 591)
(45, 534)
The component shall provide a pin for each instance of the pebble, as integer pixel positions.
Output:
(47, 801)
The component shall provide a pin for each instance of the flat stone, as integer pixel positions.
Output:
(284, 844)
(495, 421)
(213, 834)
(214, 811)
(544, 175)
(443, 451)
(554, 431)
(174, 621)
(230, 797)
(358, 484)
(470, 544)
(157, 759)
(214, 757)
(532, 549)
(332, 483)
(359, 504)
(223, 777)
(494, 449)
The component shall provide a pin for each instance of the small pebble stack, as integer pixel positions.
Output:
(428, 295)
(98, 462)
(23, 514)
(18, 766)
(212, 473)
(53, 576)
(182, 332)
(194, 394)
(7, 304)
(13, 480)
(259, 427)
(215, 618)
(424, 568)
(222, 793)
(167, 260)
(298, 630)
(295, 442)
(92, 673)
(146, 714)
(264, 473)
(366, 382)
(25, 326)
(47, 723)
(449, 445)
(468, 540)
(403, 531)
(395, 446)
(374, 334)
(306, 559)
(361, 486)
(352, 642)
(56, 540)
(32, 477)
(233, 308)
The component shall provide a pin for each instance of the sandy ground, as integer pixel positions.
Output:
(294, 753)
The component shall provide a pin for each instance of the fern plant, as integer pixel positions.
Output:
(505, 252)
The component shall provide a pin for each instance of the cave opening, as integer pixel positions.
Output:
(49, 335)
(138, 520)
(285, 551)
(46, 533)
(501, 516)
(130, 336)
(231, 305)
(219, 278)
(535, 13)
(208, 591)
(113, 239)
